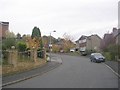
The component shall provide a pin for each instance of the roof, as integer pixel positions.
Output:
(82, 37)
(87, 37)
(118, 33)
(4, 23)
(107, 36)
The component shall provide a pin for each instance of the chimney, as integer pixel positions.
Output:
(114, 30)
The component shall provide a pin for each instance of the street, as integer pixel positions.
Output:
(75, 72)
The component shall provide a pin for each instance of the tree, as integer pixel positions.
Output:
(41, 44)
(68, 37)
(67, 42)
(24, 37)
(114, 51)
(35, 42)
(107, 40)
(8, 43)
(18, 36)
(10, 34)
(45, 40)
(36, 32)
(55, 48)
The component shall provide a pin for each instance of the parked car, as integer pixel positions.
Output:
(72, 50)
(83, 53)
(97, 57)
(61, 51)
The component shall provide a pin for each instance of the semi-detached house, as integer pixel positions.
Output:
(87, 44)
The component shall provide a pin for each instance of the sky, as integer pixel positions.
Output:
(74, 17)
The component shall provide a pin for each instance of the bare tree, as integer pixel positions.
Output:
(68, 42)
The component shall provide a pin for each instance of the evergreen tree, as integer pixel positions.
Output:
(36, 33)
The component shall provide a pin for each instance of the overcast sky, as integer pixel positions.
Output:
(75, 17)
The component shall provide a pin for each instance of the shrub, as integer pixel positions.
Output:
(112, 51)
(21, 46)
(107, 55)
(8, 42)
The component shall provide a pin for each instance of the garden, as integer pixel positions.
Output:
(22, 53)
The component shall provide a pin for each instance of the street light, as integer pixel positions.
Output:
(50, 45)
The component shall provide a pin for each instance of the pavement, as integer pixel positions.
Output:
(8, 80)
(114, 66)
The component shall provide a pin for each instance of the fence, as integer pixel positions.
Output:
(13, 56)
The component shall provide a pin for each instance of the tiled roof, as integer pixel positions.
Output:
(87, 37)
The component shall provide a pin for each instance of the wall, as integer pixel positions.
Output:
(4, 26)
(93, 43)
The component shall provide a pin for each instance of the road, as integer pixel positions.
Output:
(75, 72)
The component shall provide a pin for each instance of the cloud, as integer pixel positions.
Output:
(71, 16)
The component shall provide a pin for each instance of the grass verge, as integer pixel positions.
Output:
(21, 67)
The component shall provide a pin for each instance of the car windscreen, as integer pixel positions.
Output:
(97, 54)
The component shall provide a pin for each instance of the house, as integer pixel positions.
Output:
(88, 43)
(4, 26)
(107, 40)
(110, 38)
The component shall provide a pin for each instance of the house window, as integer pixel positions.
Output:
(82, 41)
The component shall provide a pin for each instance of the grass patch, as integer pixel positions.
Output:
(21, 67)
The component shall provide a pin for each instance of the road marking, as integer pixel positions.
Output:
(55, 59)
(112, 70)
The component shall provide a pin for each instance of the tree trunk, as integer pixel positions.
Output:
(35, 55)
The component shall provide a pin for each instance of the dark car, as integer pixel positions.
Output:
(97, 57)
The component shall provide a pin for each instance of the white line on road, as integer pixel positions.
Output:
(112, 70)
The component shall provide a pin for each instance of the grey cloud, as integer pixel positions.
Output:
(74, 16)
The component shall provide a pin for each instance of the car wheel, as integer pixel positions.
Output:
(91, 60)
(95, 61)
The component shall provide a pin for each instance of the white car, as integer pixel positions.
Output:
(72, 50)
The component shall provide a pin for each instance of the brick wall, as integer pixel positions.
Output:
(4, 26)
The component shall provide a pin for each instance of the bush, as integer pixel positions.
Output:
(112, 51)
(107, 55)
(8, 42)
(21, 46)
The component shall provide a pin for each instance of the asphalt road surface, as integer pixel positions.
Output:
(75, 72)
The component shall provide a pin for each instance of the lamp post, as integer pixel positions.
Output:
(50, 45)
